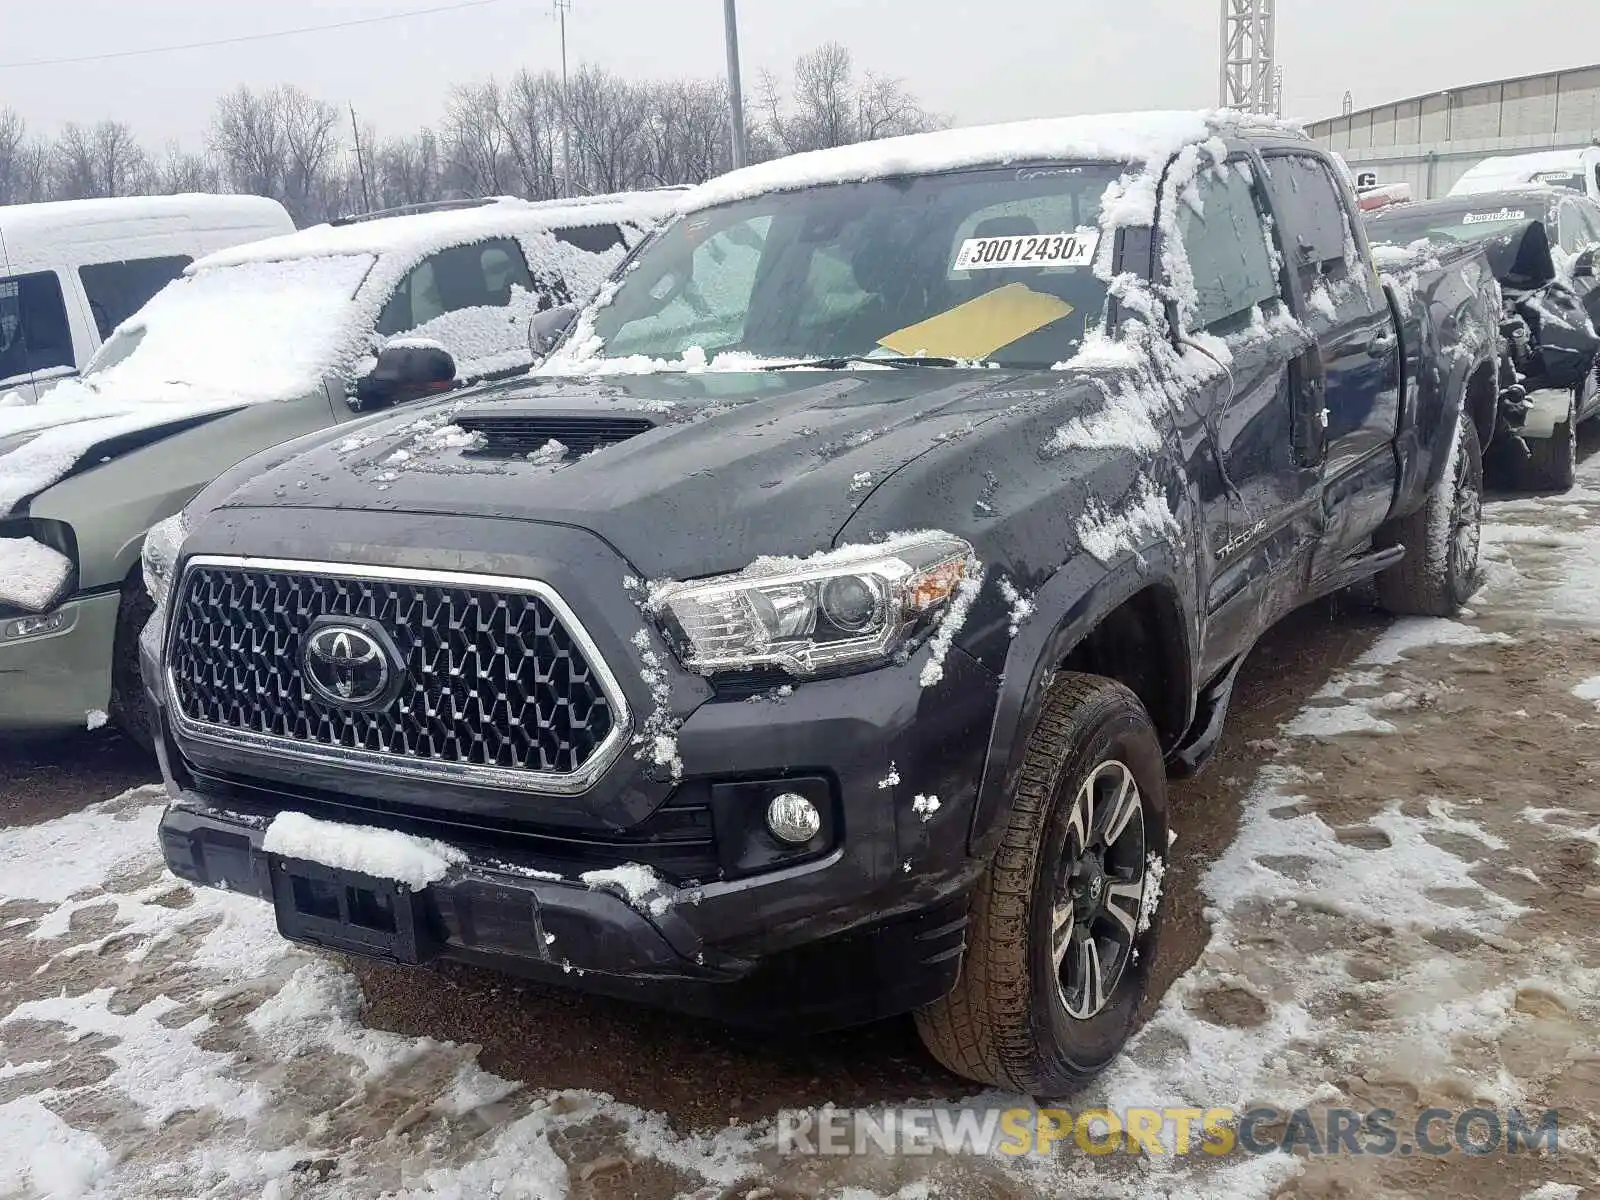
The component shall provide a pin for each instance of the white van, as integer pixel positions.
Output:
(73, 270)
(1575, 169)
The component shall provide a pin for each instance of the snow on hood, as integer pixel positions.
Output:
(207, 342)
(1114, 137)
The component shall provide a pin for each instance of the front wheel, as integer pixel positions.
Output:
(1441, 539)
(130, 710)
(1063, 925)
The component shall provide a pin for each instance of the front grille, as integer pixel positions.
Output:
(491, 679)
(518, 433)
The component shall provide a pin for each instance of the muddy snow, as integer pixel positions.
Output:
(1408, 917)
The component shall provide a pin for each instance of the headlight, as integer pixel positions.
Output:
(836, 609)
(159, 557)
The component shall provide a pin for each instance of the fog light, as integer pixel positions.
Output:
(35, 626)
(793, 819)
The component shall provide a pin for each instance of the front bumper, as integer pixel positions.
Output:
(55, 680)
(868, 924)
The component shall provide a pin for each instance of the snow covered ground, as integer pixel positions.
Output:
(1409, 916)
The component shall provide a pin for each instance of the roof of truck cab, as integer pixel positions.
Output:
(1140, 137)
(1494, 174)
(421, 233)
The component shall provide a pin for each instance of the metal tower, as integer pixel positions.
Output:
(1249, 45)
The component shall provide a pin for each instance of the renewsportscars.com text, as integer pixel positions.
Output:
(1165, 1131)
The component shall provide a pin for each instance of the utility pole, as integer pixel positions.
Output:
(562, 7)
(1249, 52)
(361, 164)
(735, 96)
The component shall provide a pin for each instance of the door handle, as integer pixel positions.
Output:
(1381, 344)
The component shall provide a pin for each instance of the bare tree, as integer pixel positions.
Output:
(311, 144)
(685, 133)
(179, 171)
(608, 115)
(475, 137)
(830, 107)
(22, 162)
(247, 137)
(532, 117)
(407, 171)
(494, 139)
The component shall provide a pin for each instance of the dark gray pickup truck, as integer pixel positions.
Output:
(811, 640)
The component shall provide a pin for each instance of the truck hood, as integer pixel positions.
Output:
(42, 444)
(683, 474)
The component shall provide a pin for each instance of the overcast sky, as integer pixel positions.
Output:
(978, 60)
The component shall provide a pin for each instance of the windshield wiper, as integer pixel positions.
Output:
(840, 361)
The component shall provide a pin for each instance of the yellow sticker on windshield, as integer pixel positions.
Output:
(981, 326)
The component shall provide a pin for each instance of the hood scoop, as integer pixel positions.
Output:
(516, 432)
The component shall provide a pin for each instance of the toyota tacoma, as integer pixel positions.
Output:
(810, 639)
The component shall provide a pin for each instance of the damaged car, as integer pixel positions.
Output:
(1543, 245)
(811, 638)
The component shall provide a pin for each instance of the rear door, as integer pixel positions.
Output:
(1343, 305)
(1262, 524)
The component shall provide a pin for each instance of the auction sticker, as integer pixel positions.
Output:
(1028, 250)
(1491, 218)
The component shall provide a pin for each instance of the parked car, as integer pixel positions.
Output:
(1543, 245)
(811, 639)
(71, 271)
(250, 347)
(1576, 170)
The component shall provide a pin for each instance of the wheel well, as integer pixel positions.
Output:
(1140, 644)
(1482, 401)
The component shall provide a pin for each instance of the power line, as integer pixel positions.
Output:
(250, 37)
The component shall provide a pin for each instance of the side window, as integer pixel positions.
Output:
(477, 276)
(596, 239)
(1307, 201)
(117, 290)
(1227, 245)
(34, 334)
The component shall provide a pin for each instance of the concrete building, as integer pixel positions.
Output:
(1430, 141)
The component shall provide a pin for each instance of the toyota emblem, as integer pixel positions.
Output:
(349, 665)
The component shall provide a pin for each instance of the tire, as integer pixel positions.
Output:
(130, 709)
(1007, 1021)
(1439, 572)
(1552, 462)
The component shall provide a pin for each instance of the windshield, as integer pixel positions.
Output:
(993, 265)
(260, 330)
(1404, 224)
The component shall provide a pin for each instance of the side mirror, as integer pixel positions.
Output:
(406, 371)
(1584, 266)
(547, 328)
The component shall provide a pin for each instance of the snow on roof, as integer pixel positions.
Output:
(1497, 173)
(95, 217)
(417, 234)
(1113, 137)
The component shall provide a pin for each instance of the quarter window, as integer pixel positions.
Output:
(34, 334)
(596, 239)
(1227, 246)
(477, 276)
(117, 290)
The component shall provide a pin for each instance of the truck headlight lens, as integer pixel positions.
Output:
(841, 608)
(159, 557)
